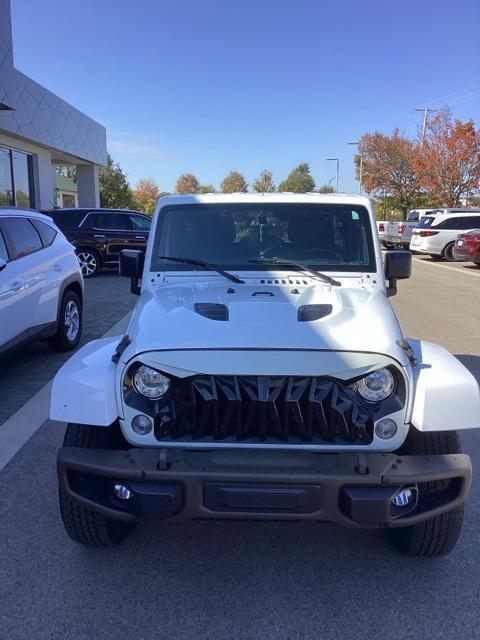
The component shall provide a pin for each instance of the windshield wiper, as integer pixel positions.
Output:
(208, 266)
(299, 266)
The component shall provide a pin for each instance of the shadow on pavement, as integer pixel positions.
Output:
(472, 363)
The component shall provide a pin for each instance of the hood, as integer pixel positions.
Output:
(298, 313)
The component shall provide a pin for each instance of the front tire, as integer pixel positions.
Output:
(438, 536)
(82, 524)
(70, 323)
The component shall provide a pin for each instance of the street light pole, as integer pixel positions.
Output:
(359, 144)
(337, 160)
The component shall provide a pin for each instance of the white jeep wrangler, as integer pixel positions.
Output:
(264, 375)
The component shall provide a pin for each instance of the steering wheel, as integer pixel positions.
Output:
(317, 253)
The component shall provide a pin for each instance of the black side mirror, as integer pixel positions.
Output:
(398, 266)
(131, 265)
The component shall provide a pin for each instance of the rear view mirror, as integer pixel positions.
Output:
(398, 266)
(131, 265)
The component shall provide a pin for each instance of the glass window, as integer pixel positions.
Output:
(451, 224)
(47, 233)
(3, 248)
(66, 219)
(425, 222)
(139, 222)
(6, 182)
(471, 222)
(68, 200)
(23, 236)
(332, 237)
(22, 179)
(114, 221)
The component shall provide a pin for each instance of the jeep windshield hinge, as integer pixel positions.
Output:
(121, 346)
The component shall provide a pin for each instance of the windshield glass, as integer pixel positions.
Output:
(425, 222)
(330, 237)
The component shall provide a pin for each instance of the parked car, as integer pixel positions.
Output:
(399, 233)
(436, 235)
(41, 285)
(467, 247)
(99, 235)
(265, 376)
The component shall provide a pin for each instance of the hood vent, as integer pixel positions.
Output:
(311, 312)
(212, 310)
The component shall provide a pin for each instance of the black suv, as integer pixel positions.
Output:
(99, 235)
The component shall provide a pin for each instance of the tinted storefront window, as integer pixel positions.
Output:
(16, 179)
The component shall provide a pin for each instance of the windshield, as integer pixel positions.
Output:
(425, 222)
(329, 237)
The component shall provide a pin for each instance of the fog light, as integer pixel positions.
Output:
(403, 498)
(122, 492)
(142, 425)
(385, 428)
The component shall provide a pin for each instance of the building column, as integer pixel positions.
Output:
(88, 185)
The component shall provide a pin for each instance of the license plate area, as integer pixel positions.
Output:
(264, 498)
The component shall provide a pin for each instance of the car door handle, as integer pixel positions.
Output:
(57, 266)
(97, 236)
(16, 286)
(140, 238)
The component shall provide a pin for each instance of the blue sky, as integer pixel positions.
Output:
(214, 85)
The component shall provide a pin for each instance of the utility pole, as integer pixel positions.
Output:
(337, 160)
(359, 144)
(425, 112)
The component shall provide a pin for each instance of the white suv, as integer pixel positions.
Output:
(436, 235)
(41, 285)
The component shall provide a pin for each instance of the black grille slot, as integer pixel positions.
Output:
(266, 409)
(212, 310)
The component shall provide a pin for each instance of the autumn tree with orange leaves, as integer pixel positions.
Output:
(389, 168)
(146, 194)
(448, 161)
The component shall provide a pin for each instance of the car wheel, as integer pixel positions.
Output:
(84, 525)
(435, 256)
(477, 264)
(70, 322)
(448, 252)
(89, 262)
(439, 535)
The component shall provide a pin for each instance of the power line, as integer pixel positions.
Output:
(454, 94)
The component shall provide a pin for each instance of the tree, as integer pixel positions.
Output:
(264, 183)
(67, 170)
(115, 192)
(448, 160)
(233, 183)
(206, 188)
(299, 180)
(388, 168)
(146, 194)
(187, 183)
(326, 188)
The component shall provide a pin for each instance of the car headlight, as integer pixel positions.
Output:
(150, 383)
(377, 385)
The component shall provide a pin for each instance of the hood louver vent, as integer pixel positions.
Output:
(310, 312)
(212, 310)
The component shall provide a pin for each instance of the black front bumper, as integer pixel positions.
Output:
(354, 490)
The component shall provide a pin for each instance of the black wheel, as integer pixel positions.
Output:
(434, 256)
(89, 261)
(448, 252)
(477, 264)
(438, 536)
(84, 525)
(70, 322)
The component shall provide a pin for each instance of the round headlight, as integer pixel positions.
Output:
(150, 383)
(376, 386)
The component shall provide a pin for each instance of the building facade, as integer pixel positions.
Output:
(39, 130)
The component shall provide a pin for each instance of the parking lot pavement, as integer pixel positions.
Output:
(242, 580)
(25, 371)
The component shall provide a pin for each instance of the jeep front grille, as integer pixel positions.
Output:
(264, 409)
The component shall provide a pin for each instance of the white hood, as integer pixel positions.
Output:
(263, 314)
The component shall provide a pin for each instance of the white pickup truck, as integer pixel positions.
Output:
(399, 233)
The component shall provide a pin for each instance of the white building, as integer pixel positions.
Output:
(37, 130)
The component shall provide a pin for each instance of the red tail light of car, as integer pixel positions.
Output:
(401, 229)
(427, 234)
(381, 227)
(472, 241)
